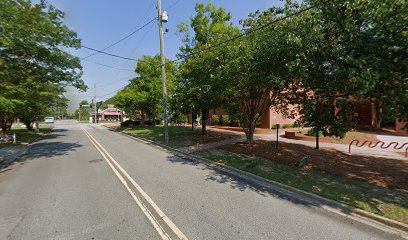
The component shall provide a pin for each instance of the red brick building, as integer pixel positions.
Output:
(365, 116)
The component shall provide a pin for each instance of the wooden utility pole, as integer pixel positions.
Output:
(163, 63)
(96, 114)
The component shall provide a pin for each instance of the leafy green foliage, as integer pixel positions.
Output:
(203, 87)
(34, 62)
(335, 54)
(144, 95)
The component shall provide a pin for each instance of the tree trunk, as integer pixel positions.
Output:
(28, 125)
(154, 119)
(4, 130)
(192, 121)
(379, 114)
(204, 117)
(317, 137)
(6, 123)
(249, 133)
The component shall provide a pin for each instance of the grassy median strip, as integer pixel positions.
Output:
(390, 203)
(179, 136)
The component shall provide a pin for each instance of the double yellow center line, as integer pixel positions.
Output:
(124, 178)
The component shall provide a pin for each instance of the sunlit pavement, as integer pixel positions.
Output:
(68, 186)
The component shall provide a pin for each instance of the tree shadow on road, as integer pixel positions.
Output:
(43, 149)
(59, 130)
(239, 182)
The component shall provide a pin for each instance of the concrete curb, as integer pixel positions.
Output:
(328, 204)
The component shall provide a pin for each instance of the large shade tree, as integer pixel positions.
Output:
(201, 69)
(33, 51)
(345, 52)
(145, 92)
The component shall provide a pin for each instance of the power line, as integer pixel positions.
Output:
(216, 45)
(172, 5)
(102, 96)
(108, 66)
(109, 54)
(122, 39)
(246, 33)
(128, 78)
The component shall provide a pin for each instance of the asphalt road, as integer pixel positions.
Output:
(97, 184)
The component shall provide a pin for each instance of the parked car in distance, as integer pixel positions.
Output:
(49, 119)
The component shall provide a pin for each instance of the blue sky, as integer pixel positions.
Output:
(102, 22)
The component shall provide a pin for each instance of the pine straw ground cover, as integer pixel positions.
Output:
(378, 185)
(350, 136)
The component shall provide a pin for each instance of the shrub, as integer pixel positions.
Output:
(283, 126)
(225, 120)
(127, 123)
(235, 123)
(215, 119)
(182, 118)
(148, 122)
(220, 122)
(178, 118)
(312, 132)
(288, 126)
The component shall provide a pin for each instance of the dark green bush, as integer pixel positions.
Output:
(283, 126)
(215, 119)
(312, 132)
(148, 122)
(178, 118)
(235, 123)
(225, 120)
(288, 126)
(127, 123)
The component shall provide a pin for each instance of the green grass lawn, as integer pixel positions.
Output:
(389, 203)
(24, 136)
(179, 136)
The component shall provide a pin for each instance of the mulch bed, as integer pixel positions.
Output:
(360, 136)
(241, 130)
(379, 171)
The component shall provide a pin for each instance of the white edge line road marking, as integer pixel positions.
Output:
(167, 220)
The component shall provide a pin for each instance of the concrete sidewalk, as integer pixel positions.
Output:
(355, 151)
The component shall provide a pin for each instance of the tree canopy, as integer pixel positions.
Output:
(204, 88)
(34, 61)
(322, 57)
(144, 94)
